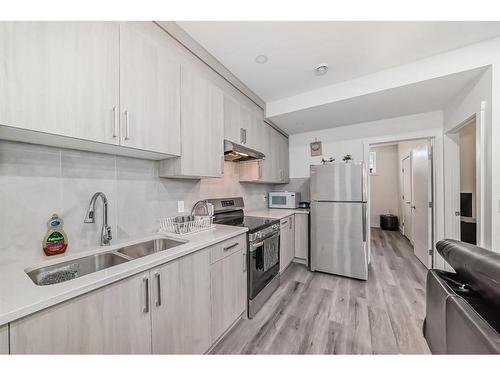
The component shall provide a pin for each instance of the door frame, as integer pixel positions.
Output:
(453, 176)
(436, 150)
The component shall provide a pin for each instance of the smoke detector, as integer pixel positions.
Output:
(261, 59)
(321, 69)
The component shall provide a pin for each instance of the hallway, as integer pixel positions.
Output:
(326, 314)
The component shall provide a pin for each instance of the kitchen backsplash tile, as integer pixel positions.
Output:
(36, 181)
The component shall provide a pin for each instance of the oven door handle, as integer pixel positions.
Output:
(253, 246)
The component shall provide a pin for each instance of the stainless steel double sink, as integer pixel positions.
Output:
(61, 272)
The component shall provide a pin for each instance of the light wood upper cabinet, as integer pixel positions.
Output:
(302, 236)
(149, 89)
(287, 241)
(4, 339)
(181, 305)
(229, 291)
(202, 130)
(274, 168)
(110, 320)
(60, 78)
(232, 124)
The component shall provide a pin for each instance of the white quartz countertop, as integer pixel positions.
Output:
(276, 213)
(19, 296)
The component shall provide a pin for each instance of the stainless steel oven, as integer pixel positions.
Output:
(264, 266)
(263, 240)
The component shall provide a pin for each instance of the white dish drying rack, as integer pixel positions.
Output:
(181, 225)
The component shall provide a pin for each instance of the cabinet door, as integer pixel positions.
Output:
(202, 127)
(284, 243)
(60, 78)
(229, 291)
(291, 235)
(181, 305)
(110, 320)
(4, 339)
(149, 89)
(246, 124)
(301, 236)
(232, 128)
(282, 158)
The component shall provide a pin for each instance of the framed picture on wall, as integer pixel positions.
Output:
(316, 148)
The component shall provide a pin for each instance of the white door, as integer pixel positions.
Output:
(407, 197)
(421, 217)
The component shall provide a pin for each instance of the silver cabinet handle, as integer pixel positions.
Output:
(291, 223)
(241, 136)
(145, 308)
(245, 135)
(244, 262)
(231, 246)
(127, 126)
(115, 122)
(284, 223)
(158, 289)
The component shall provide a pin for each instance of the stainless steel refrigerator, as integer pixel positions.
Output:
(339, 219)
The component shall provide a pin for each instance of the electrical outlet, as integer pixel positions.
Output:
(180, 206)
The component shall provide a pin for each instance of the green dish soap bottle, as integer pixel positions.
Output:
(56, 240)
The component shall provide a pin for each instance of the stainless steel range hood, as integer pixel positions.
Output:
(236, 152)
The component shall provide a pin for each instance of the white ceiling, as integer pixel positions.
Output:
(352, 49)
(424, 96)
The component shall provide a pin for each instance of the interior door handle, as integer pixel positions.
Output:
(414, 207)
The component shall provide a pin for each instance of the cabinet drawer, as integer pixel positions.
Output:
(228, 247)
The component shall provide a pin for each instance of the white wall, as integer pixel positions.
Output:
(384, 184)
(36, 181)
(484, 54)
(468, 162)
(349, 139)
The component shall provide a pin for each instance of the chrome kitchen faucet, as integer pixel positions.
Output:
(89, 217)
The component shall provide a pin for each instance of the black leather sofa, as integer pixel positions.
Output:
(463, 308)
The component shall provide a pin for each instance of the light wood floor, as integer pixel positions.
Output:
(321, 313)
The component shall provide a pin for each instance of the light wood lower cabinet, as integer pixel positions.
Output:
(228, 281)
(287, 241)
(302, 236)
(181, 307)
(180, 312)
(110, 320)
(4, 339)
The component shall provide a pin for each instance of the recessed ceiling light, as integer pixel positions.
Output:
(261, 59)
(321, 69)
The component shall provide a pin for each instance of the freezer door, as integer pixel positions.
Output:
(338, 182)
(338, 239)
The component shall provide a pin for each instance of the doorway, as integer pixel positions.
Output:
(464, 160)
(401, 192)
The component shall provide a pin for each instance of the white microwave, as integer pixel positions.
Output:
(284, 199)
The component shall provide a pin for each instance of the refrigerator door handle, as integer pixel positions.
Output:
(363, 212)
